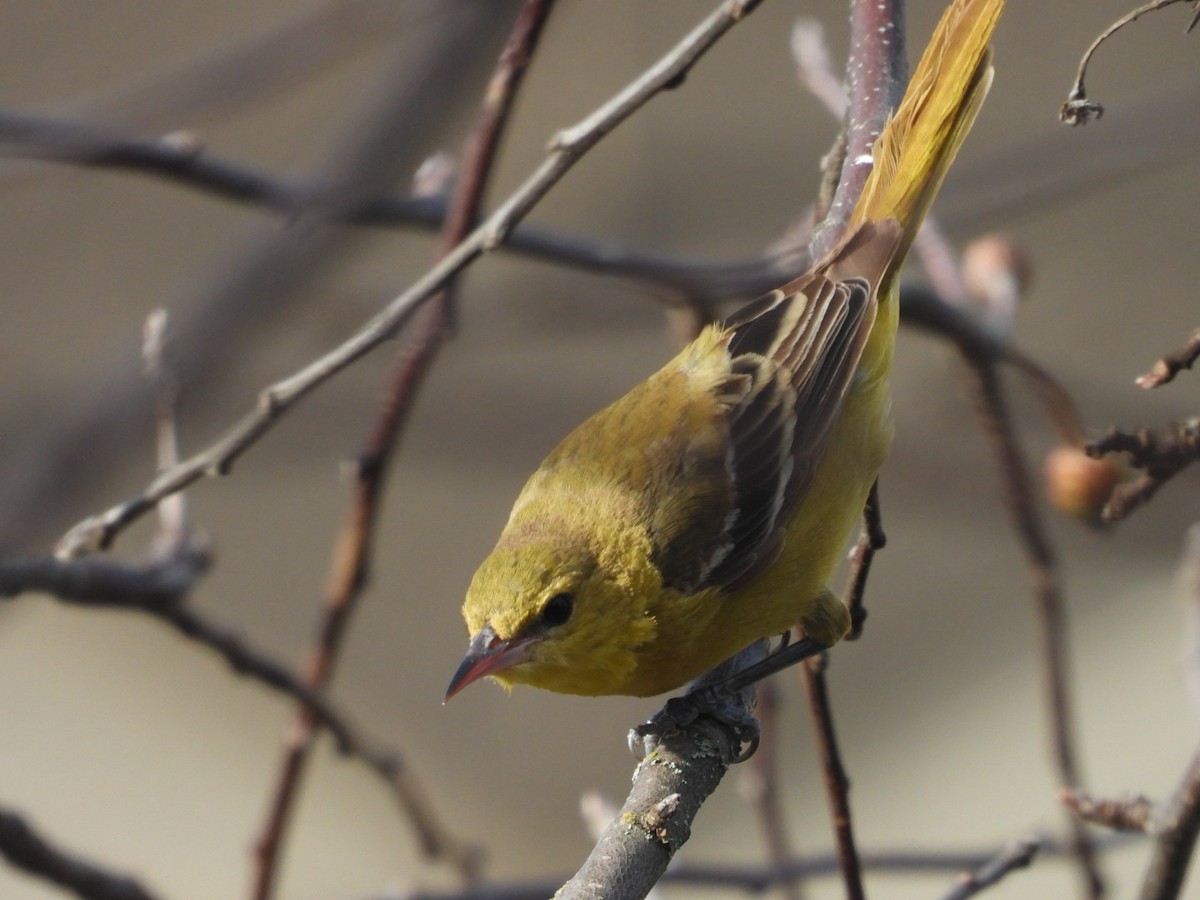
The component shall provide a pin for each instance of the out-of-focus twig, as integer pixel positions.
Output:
(1017, 855)
(252, 68)
(1079, 108)
(756, 879)
(814, 68)
(1173, 363)
(31, 852)
(349, 568)
(837, 784)
(1160, 453)
(1040, 562)
(567, 148)
(159, 588)
(1000, 429)
(1176, 839)
(185, 161)
(1134, 812)
(760, 785)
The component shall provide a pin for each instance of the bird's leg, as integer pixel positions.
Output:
(708, 695)
(725, 696)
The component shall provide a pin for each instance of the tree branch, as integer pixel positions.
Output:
(1176, 839)
(1017, 855)
(567, 148)
(29, 851)
(837, 784)
(349, 568)
(877, 73)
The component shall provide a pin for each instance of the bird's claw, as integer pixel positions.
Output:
(712, 700)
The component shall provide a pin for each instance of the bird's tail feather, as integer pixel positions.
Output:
(920, 141)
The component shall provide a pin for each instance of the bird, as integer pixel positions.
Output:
(708, 507)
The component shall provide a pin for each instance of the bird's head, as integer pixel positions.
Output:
(552, 613)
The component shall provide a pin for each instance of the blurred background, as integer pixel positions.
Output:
(141, 750)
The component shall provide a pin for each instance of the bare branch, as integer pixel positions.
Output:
(1173, 363)
(29, 851)
(815, 69)
(159, 589)
(1017, 855)
(761, 786)
(1079, 109)
(669, 787)
(877, 73)
(837, 784)
(1133, 812)
(1176, 840)
(1000, 429)
(1043, 572)
(1160, 452)
(757, 879)
(349, 568)
(567, 148)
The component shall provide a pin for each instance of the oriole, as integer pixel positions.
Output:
(707, 508)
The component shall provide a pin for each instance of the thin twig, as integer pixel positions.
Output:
(567, 148)
(159, 589)
(1134, 812)
(1079, 108)
(757, 879)
(1173, 363)
(30, 852)
(1176, 839)
(760, 785)
(837, 784)
(1017, 855)
(349, 568)
(999, 427)
(188, 163)
(1160, 453)
(1043, 571)
(814, 68)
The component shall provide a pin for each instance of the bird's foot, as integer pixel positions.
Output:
(717, 701)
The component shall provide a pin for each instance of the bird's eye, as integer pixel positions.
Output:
(558, 609)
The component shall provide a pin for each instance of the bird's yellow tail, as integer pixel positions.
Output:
(919, 142)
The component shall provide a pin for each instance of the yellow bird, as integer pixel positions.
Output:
(707, 508)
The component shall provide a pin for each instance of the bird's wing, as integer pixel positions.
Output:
(792, 355)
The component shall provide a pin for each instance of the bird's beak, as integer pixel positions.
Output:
(487, 655)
